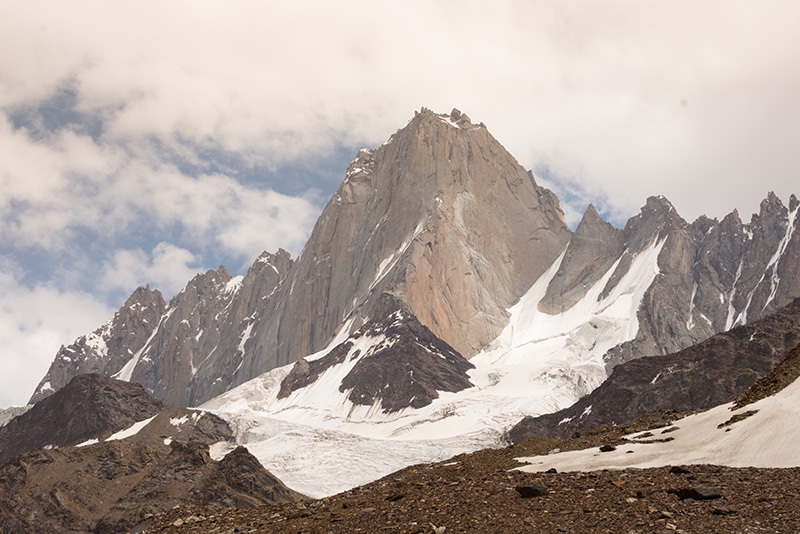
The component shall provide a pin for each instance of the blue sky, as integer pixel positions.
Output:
(145, 142)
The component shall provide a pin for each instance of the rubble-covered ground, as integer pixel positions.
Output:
(480, 492)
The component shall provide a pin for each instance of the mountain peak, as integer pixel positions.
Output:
(421, 214)
(87, 406)
(657, 203)
(455, 118)
(590, 218)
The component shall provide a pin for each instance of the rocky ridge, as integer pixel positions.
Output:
(445, 220)
(106, 350)
(89, 406)
(112, 486)
(100, 455)
(402, 364)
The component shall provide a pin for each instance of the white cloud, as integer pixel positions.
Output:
(595, 91)
(34, 323)
(167, 267)
(52, 187)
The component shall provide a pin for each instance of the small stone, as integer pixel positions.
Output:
(607, 448)
(667, 515)
(552, 471)
(531, 490)
(698, 493)
(725, 510)
(367, 510)
(679, 470)
(177, 523)
(631, 500)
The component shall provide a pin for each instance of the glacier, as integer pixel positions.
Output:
(320, 443)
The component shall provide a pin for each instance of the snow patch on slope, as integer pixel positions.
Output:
(126, 372)
(233, 285)
(763, 439)
(131, 430)
(388, 263)
(558, 358)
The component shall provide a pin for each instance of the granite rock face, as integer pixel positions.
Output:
(712, 275)
(441, 216)
(199, 347)
(592, 250)
(444, 220)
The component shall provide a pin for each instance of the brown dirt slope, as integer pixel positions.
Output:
(112, 486)
(478, 493)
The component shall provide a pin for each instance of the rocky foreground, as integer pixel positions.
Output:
(480, 492)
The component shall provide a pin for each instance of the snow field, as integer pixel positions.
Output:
(319, 443)
(765, 439)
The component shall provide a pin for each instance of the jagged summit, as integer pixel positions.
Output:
(106, 350)
(444, 220)
(430, 201)
(594, 247)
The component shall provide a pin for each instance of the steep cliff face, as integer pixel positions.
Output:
(592, 250)
(442, 219)
(198, 348)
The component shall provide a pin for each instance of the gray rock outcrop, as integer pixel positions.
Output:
(705, 375)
